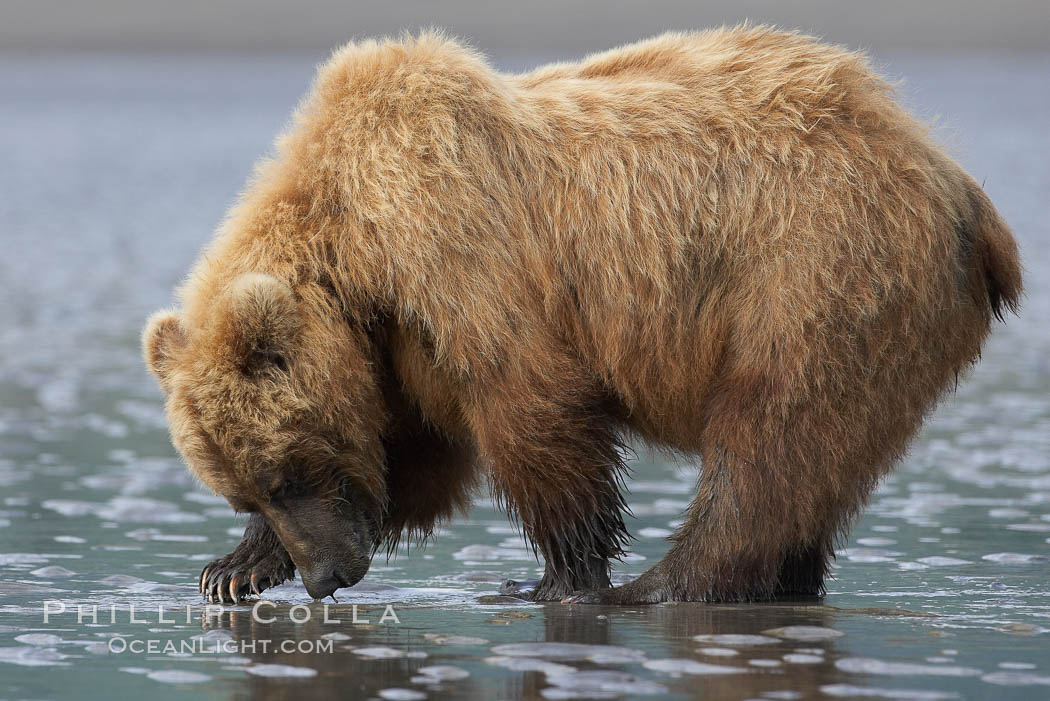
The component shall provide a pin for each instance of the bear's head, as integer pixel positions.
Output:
(273, 401)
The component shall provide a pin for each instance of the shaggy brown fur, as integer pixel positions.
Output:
(733, 244)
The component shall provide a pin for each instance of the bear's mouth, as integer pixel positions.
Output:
(331, 542)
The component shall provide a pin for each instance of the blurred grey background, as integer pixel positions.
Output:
(549, 27)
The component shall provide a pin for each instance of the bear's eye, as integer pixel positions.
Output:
(285, 490)
(262, 359)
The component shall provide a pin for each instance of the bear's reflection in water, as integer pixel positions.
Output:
(622, 651)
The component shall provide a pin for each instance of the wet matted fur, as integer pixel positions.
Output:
(733, 244)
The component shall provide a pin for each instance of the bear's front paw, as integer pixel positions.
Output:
(232, 578)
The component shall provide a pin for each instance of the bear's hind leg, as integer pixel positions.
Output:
(802, 573)
(749, 535)
(257, 563)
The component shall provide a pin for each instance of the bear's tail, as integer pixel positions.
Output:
(993, 250)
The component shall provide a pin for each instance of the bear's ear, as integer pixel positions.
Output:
(161, 339)
(263, 318)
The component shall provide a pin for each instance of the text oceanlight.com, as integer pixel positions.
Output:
(198, 646)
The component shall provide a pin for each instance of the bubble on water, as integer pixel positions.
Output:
(76, 540)
(599, 683)
(442, 639)
(570, 651)
(802, 658)
(215, 635)
(679, 666)
(178, 676)
(718, 651)
(124, 509)
(433, 674)
(378, 653)
(1016, 679)
(152, 587)
(851, 691)
(1015, 558)
(529, 664)
(5, 522)
(783, 695)
(660, 507)
(70, 507)
(885, 529)
(280, 670)
(9, 559)
(52, 572)
(235, 660)
(335, 636)
(396, 694)
(869, 555)
(17, 588)
(874, 542)
(806, 634)
(652, 487)
(156, 535)
(870, 665)
(764, 663)
(735, 639)
(481, 553)
(1021, 629)
(1007, 513)
(1029, 527)
(40, 639)
(121, 580)
(32, 656)
(136, 670)
(941, 561)
(655, 533)
(483, 577)
(1016, 665)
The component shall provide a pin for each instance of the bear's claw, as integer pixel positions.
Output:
(242, 573)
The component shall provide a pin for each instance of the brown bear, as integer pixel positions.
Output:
(732, 244)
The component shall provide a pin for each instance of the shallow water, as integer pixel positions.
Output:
(116, 171)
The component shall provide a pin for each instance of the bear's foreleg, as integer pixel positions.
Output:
(556, 465)
(430, 476)
(257, 563)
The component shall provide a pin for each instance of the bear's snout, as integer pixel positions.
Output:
(322, 583)
(330, 547)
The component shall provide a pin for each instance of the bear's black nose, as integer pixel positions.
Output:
(321, 584)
